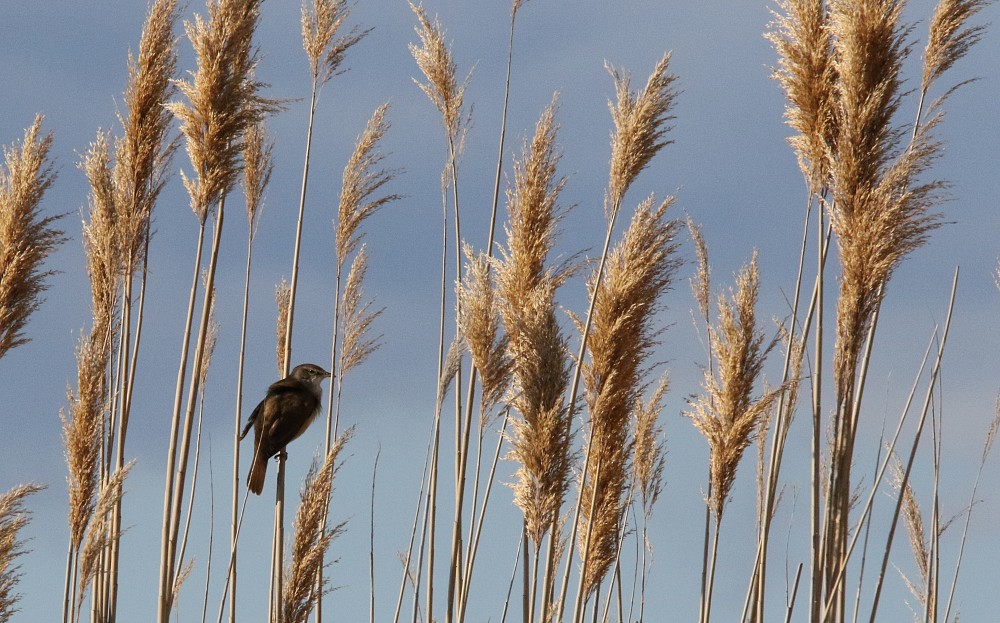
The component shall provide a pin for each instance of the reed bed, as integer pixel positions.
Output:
(525, 323)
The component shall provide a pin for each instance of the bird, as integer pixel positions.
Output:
(283, 415)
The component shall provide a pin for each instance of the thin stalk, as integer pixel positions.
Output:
(705, 548)
(795, 591)
(233, 526)
(413, 534)
(194, 486)
(278, 553)
(513, 574)
(816, 561)
(477, 529)
(578, 610)
(69, 583)
(193, 392)
(574, 387)
(459, 452)
(371, 543)
(780, 430)
(884, 466)
(463, 590)
(166, 551)
(711, 570)
(116, 512)
(232, 555)
(211, 534)
(279, 510)
(916, 442)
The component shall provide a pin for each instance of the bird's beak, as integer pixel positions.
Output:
(327, 375)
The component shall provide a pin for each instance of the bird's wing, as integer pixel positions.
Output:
(253, 418)
(285, 415)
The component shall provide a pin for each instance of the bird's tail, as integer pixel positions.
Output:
(255, 481)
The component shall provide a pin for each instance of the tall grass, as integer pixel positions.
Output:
(586, 469)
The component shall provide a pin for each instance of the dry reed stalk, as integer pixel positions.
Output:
(312, 537)
(877, 212)
(648, 462)
(223, 102)
(144, 152)
(258, 165)
(326, 49)
(99, 533)
(206, 362)
(27, 237)
(363, 182)
(913, 519)
(727, 413)
(640, 269)
(479, 324)
(13, 518)
(536, 347)
(142, 159)
(435, 61)
(641, 124)
(364, 179)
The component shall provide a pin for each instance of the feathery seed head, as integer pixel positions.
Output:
(26, 237)
(321, 23)
(435, 61)
(640, 120)
(363, 180)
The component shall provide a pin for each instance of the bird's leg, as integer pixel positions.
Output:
(281, 456)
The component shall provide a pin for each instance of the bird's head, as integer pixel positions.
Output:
(311, 375)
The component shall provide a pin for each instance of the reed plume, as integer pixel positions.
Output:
(13, 518)
(364, 178)
(480, 325)
(312, 537)
(26, 237)
(949, 38)
(878, 211)
(640, 269)
(536, 347)
(144, 152)
(641, 122)
(357, 318)
(322, 40)
(727, 412)
(435, 61)
(222, 99)
(801, 36)
(258, 165)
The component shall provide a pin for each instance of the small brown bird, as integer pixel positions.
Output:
(285, 413)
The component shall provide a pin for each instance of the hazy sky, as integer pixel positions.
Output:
(730, 169)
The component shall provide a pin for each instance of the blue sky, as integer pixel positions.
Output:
(730, 169)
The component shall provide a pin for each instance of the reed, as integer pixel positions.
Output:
(639, 271)
(14, 517)
(312, 537)
(28, 237)
(222, 103)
